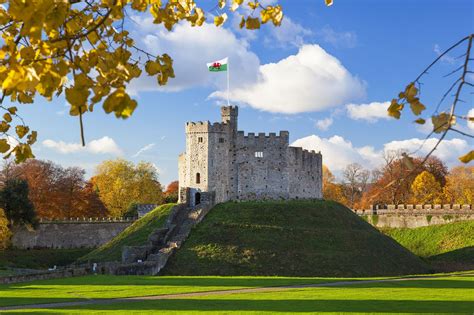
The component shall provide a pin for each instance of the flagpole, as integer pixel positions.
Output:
(228, 70)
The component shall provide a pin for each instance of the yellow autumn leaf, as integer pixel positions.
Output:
(242, 22)
(27, 53)
(236, 4)
(21, 131)
(440, 122)
(219, 20)
(7, 117)
(420, 121)
(417, 107)
(12, 110)
(329, 2)
(252, 23)
(152, 67)
(410, 92)
(32, 137)
(77, 97)
(4, 126)
(394, 110)
(222, 4)
(467, 157)
(4, 146)
(253, 5)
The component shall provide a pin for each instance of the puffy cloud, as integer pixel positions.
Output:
(339, 152)
(191, 48)
(288, 33)
(324, 124)
(311, 80)
(338, 39)
(370, 112)
(104, 145)
(470, 124)
(144, 149)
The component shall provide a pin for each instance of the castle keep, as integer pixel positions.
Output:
(221, 164)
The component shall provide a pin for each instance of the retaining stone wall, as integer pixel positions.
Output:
(67, 234)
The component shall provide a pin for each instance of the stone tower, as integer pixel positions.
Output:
(222, 163)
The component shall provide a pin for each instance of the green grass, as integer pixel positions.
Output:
(135, 234)
(435, 239)
(447, 247)
(38, 258)
(290, 238)
(449, 294)
(103, 287)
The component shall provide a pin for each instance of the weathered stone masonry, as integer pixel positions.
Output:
(221, 164)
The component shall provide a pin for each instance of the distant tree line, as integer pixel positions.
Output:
(42, 189)
(396, 183)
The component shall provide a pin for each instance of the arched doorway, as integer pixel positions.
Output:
(197, 198)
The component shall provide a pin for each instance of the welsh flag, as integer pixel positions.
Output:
(219, 65)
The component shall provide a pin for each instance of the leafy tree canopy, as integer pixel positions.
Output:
(82, 49)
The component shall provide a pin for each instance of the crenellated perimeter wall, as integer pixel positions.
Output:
(413, 216)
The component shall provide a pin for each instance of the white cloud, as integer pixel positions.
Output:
(339, 152)
(324, 124)
(370, 112)
(191, 48)
(470, 124)
(104, 145)
(446, 58)
(338, 39)
(288, 33)
(145, 148)
(311, 80)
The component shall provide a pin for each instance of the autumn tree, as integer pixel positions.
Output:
(331, 189)
(459, 187)
(426, 189)
(355, 182)
(5, 232)
(16, 204)
(120, 183)
(55, 191)
(395, 178)
(171, 192)
(82, 49)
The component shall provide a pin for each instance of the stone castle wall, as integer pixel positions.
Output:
(236, 166)
(67, 234)
(413, 216)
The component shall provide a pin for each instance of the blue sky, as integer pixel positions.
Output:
(300, 77)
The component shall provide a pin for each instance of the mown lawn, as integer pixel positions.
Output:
(450, 294)
(106, 287)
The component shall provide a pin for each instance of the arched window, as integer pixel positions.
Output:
(198, 178)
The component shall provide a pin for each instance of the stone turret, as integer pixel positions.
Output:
(230, 115)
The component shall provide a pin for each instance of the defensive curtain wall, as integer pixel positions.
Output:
(73, 233)
(413, 216)
(93, 232)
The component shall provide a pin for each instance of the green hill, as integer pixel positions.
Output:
(290, 238)
(447, 246)
(135, 234)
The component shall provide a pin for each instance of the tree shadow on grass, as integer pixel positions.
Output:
(286, 306)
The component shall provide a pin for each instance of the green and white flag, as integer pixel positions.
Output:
(219, 65)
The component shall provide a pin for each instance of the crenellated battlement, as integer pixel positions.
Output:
(272, 137)
(206, 126)
(235, 165)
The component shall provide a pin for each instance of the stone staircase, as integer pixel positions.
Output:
(151, 258)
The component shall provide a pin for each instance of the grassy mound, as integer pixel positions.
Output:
(290, 238)
(135, 234)
(448, 246)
